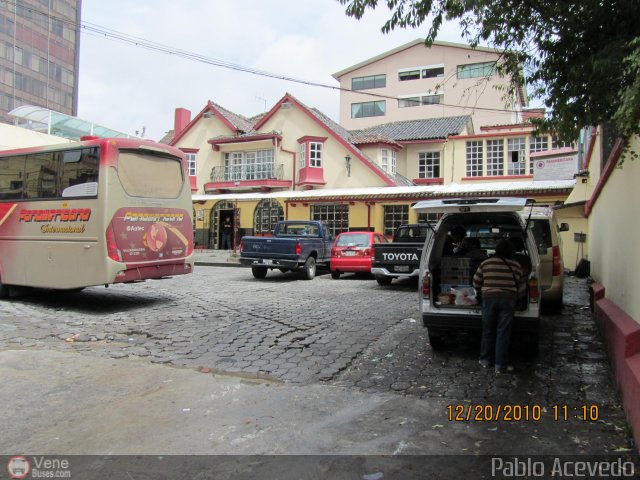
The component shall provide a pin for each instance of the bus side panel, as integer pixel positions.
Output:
(12, 271)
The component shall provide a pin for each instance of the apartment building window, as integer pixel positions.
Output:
(516, 160)
(474, 158)
(394, 216)
(417, 100)
(495, 158)
(475, 70)
(388, 160)
(366, 83)
(537, 144)
(429, 165)
(368, 109)
(405, 75)
(267, 213)
(191, 163)
(433, 71)
(334, 216)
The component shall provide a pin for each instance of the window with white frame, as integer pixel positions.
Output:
(191, 163)
(476, 70)
(405, 75)
(302, 158)
(334, 216)
(433, 71)
(555, 143)
(315, 154)
(388, 160)
(537, 144)
(394, 216)
(267, 213)
(495, 158)
(418, 100)
(251, 165)
(370, 81)
(429, 165)
(474, 158)
(516, 160)
(368, 109)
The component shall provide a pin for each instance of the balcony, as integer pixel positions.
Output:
(247, 177)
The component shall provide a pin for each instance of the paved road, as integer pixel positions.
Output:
(351, 334)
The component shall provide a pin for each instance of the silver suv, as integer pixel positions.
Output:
(542, 222)
(447, 301)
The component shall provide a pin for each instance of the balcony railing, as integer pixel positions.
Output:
(236, 173)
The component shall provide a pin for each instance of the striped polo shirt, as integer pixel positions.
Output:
(495, 279)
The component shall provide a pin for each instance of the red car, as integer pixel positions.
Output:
(353, 252)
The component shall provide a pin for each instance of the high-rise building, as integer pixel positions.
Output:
(39, 55)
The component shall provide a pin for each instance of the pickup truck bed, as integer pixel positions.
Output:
(400, 259)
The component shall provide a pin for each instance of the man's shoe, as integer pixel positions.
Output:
(483, 363)
(507, 369)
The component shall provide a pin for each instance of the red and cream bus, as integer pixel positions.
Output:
(95, 212)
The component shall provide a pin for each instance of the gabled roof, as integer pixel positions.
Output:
(237, 124)
(426, 129)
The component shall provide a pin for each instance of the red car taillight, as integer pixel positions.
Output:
(367, 252)
(426, 286)
(112, 248)
(298, 249)
(335, 252)
(241, 246)
(534, 292)
(557, 262)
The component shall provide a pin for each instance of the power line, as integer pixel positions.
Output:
(110, 34)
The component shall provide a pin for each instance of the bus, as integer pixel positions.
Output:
(99, 211)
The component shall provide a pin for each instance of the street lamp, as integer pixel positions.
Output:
(347, 160)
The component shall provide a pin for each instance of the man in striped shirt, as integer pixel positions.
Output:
(499, 279)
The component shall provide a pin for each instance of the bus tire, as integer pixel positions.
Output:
(309, 269)
(259, 272)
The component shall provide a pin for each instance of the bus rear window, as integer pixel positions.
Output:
(150, 176)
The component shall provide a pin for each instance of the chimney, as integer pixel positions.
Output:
(181, 120)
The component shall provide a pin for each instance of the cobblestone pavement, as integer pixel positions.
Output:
(350, 332)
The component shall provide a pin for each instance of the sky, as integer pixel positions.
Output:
(134, 89)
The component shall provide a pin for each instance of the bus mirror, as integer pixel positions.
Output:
(89, 189)
(73, 156)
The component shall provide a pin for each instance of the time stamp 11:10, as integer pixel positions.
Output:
(515, 412)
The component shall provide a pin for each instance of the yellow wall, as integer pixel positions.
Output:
(613, 236)
(573, 251)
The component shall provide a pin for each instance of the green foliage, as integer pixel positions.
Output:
(581, 59)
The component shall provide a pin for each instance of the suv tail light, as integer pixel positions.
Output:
(534, 292)
(426, 285)
(298, 249)
(557, 263)
(241, 246)
(112, 248)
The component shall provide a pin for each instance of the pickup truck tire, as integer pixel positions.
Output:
(382, 280)
(335, 274)
(259, 272)
(309, 269)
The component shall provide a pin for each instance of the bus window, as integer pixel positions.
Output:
(150, 175)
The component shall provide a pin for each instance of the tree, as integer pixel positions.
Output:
(582, 59)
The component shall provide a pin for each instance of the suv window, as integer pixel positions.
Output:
(542, 232)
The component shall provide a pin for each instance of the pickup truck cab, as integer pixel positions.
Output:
(401, 258)
(294, 246)
(447, 300)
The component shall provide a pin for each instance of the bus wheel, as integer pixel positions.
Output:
(309, 269)
(259, 272)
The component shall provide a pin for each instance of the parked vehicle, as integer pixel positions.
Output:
(447, 300)
(541, 220)
(401, 258)
(294, 246)
(353, 252)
